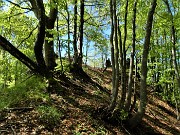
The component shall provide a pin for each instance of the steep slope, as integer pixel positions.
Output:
(75, 110)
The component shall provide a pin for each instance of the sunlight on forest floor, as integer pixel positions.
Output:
(76, 106)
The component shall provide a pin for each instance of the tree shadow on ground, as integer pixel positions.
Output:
(97, 109)
(162, 126)
(75, 90)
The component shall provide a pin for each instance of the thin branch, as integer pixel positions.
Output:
(94, 5)
(96, 25)
(17, 5)
(27, 36)
(63, 15)
(16, 15)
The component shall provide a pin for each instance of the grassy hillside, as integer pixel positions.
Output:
(75, 107)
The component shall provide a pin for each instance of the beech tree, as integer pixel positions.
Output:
(143, 91)
(173, 40)
(130, 79)
(40, 66)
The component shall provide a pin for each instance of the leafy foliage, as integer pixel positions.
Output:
(28, 91)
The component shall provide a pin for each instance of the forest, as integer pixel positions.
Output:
(90, 67)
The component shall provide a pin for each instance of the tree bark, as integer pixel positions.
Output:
(116, 63)
(130, 79)
(7, 46)
(75, 33)
(173, 40)
(137, 118)
(81, 30)
(68, 30)
(123, 68)
(49, 45)
(112, 105)
(49, 22)
(38, 48)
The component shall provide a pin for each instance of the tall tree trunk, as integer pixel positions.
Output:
(137, 118)
(123, 78)
(49, 45)
(48, 22)
(59, 45)
(75, 33)
(116, 64)
(112, 105)
(130, 79)
(40, 40)
(68, 30)
(173, 39)
(111, 43)
(121, 57)
(81, 30)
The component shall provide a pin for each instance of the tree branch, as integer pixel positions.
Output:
(15, 15)
(27, 36)
(40, 36)
(7, 46)
(17, 5)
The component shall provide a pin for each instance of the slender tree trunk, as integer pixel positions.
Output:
(81, 34)
(116, 64)
(112, 44)
(87, 48)
(59, 45)
(123, 78)
(130, 79)
(115, 93)
(135, 120)
(174, 55)
(75, 33)
(68, 30)
(112, 49)
(121, 54)
(173, 39)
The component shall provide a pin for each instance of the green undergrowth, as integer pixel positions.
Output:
(32, 93)
(49, 116)
(31, 90)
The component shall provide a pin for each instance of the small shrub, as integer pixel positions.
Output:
(49, 116)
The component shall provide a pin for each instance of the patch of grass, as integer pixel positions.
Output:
(100, 131)
(22, 93)
(49, 116)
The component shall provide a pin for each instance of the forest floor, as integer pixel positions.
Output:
(79, 102)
